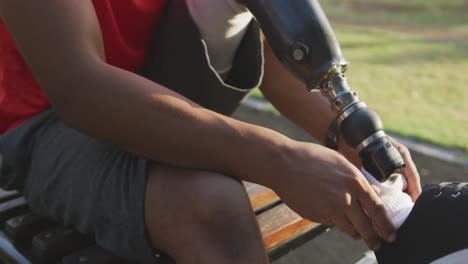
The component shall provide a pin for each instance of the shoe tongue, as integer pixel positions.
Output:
(396, 181)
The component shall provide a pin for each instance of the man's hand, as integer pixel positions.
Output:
(410, 172)
(321, 185)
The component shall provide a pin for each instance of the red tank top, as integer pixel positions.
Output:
(127, 27)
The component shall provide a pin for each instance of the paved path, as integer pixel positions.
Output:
(333, 247)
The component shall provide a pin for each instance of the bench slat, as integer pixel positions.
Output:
(8, 195)
(279, 222)
(261, 198)
(12, 208)
(8, 253)
(284, 230)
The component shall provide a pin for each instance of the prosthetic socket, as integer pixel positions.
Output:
(303, 40)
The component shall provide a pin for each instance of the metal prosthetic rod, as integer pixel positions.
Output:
(361, 127)
(303, 40)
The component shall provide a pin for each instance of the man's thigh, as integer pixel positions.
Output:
(79, 181)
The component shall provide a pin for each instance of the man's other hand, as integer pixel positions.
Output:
(323, 186)
(410, 171)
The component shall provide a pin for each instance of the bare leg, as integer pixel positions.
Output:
(201, 217)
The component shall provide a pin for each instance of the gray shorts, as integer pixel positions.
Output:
(99, 188)
(79, 182)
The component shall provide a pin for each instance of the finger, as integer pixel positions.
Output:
(345, 226)
(363, 226)
(375, 209)
(410, 171)
(350, 154)
(375, 188)
(413, 180)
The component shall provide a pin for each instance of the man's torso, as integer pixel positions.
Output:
(127, 28)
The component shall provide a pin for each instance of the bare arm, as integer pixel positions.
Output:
(310, 110)
(62, 44)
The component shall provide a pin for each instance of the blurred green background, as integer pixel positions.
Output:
(409, 62)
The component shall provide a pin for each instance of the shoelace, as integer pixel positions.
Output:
(456, 193)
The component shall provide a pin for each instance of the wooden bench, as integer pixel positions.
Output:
(29, 239)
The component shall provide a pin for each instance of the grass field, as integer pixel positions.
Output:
(443, 14)
(417, 84)
(418, 87)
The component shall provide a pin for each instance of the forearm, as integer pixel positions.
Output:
(145, 118)
(310, 110)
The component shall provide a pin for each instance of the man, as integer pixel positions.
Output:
(146, 169)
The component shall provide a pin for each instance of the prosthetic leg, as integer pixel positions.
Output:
(303, 40)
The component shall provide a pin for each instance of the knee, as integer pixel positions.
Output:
(207, 197)
(220, 198)
(186, 204)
